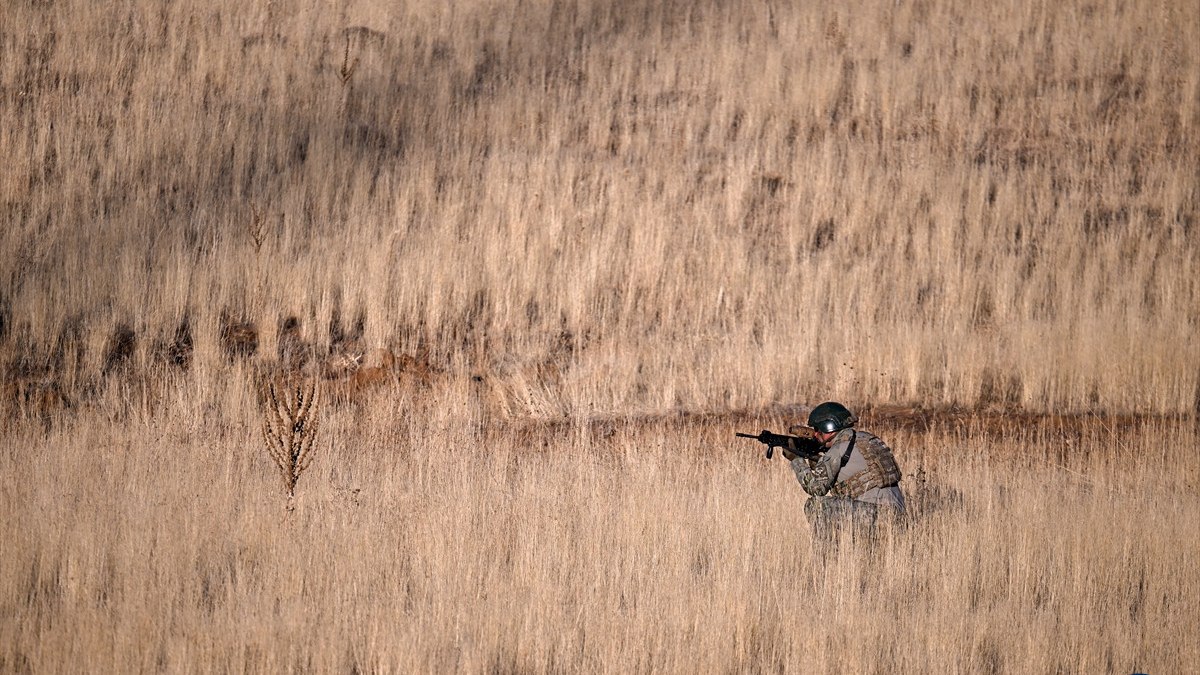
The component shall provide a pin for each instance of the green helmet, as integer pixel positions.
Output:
(830, 417)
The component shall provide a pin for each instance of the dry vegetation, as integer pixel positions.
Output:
(436, 545)
(544, 258)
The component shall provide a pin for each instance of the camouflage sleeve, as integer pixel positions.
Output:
(817, 477)
(813, 478)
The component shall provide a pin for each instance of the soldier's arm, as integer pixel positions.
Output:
(819, 476)
(812, 478)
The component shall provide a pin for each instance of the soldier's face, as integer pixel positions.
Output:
(824, 437)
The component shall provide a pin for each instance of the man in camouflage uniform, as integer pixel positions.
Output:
(854, 482)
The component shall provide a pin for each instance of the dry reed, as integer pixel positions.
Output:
(990, 215)
(586, 234)
(430, 542)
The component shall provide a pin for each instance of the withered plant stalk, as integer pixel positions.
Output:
(290, 424)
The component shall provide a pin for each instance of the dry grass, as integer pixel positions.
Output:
(540, 257)
(443, 546)
(990, 205)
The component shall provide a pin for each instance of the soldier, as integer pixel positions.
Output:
(854, 482)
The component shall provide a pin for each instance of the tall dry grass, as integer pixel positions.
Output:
(425, 542)
(715, 205)
(587, 234)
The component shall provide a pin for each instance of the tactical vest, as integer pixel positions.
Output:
(881, 471)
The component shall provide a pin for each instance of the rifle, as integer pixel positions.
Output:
(803, 444)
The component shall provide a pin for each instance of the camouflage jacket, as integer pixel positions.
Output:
(857, 465)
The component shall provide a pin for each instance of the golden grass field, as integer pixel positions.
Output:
(543, 259)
